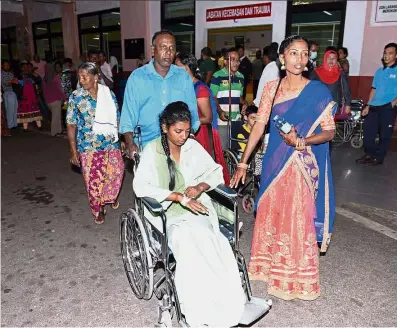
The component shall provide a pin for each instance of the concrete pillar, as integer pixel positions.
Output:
(23, 24)
(138, 19)
(70, 31)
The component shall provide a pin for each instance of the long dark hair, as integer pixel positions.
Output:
(285, 45)
(175, 112)
(190, 61)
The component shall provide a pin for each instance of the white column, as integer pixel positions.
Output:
(353, 37)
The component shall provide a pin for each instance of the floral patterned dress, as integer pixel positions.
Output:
(101, 160)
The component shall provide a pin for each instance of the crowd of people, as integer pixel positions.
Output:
(182, 106)
(37, 90)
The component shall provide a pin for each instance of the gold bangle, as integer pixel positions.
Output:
(242, 166)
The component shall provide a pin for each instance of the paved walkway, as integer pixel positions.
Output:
(59, 269)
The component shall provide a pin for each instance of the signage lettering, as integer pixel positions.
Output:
(239, 12)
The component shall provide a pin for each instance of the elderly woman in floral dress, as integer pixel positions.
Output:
(93, 112)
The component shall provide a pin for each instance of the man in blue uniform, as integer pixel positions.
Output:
(381, 109)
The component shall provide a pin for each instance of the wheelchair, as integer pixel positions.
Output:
(250, 190)
(349, 128)
(150, 265)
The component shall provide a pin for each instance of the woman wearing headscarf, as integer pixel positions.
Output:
(54, 97)
(92, 123)
(336, 80)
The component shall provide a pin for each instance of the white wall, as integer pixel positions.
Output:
(277, 19)
(353, 36)
(84, 7)
(257, 39)
(155, 18)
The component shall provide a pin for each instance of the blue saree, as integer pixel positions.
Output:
(295, 206)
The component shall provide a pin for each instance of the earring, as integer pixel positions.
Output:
(282, 67)
(305, 69)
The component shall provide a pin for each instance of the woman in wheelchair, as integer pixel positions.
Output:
(177, 172)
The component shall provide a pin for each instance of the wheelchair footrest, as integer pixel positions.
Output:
(255, 309)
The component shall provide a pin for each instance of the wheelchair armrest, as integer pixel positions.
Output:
(226, 191)
(152, 205)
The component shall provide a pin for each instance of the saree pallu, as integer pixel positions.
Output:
(103, 173)
(204, 140)
(295, 207)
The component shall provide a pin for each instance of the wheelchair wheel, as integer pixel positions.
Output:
(248, 203)
(357, 141)
(136, 255)
(231, 161)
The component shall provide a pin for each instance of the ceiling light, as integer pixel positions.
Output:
(115, 13)
(41, 28)
(327, 12)
(95, 38)
(186, 24)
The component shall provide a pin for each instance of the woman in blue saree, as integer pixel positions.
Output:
(295, 206)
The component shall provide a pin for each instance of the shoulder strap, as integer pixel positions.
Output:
(271, 109)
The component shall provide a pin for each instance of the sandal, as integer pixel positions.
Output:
(100, 219)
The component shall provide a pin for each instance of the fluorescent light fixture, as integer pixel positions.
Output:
(186, 24)
(41, 28)
(95, 38)
(115, 13)
(327, 12)
(93, 26)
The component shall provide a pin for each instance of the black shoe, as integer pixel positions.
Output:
(364, 159)
(375, 162)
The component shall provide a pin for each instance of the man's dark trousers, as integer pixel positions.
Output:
(380, 120)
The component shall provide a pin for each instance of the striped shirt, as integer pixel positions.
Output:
(220, 89)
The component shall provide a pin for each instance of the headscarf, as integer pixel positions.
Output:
(49, 73)
(326, 73)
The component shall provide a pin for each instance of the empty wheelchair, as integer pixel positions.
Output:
(349, 128)
(149, 263)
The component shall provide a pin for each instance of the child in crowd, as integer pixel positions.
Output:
(244, 130)
(243, 133)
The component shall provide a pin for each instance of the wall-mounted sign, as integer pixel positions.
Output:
(133, 48)
(384, 13)
(239, 12)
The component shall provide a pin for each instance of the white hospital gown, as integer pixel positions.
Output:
(207, 278)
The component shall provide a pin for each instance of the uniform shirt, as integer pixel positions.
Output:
(81, 112)
(220, 90)
(147, 94)
(385, 85)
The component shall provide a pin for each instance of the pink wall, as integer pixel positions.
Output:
(375, 39)
(135, 23)
(70, 31)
